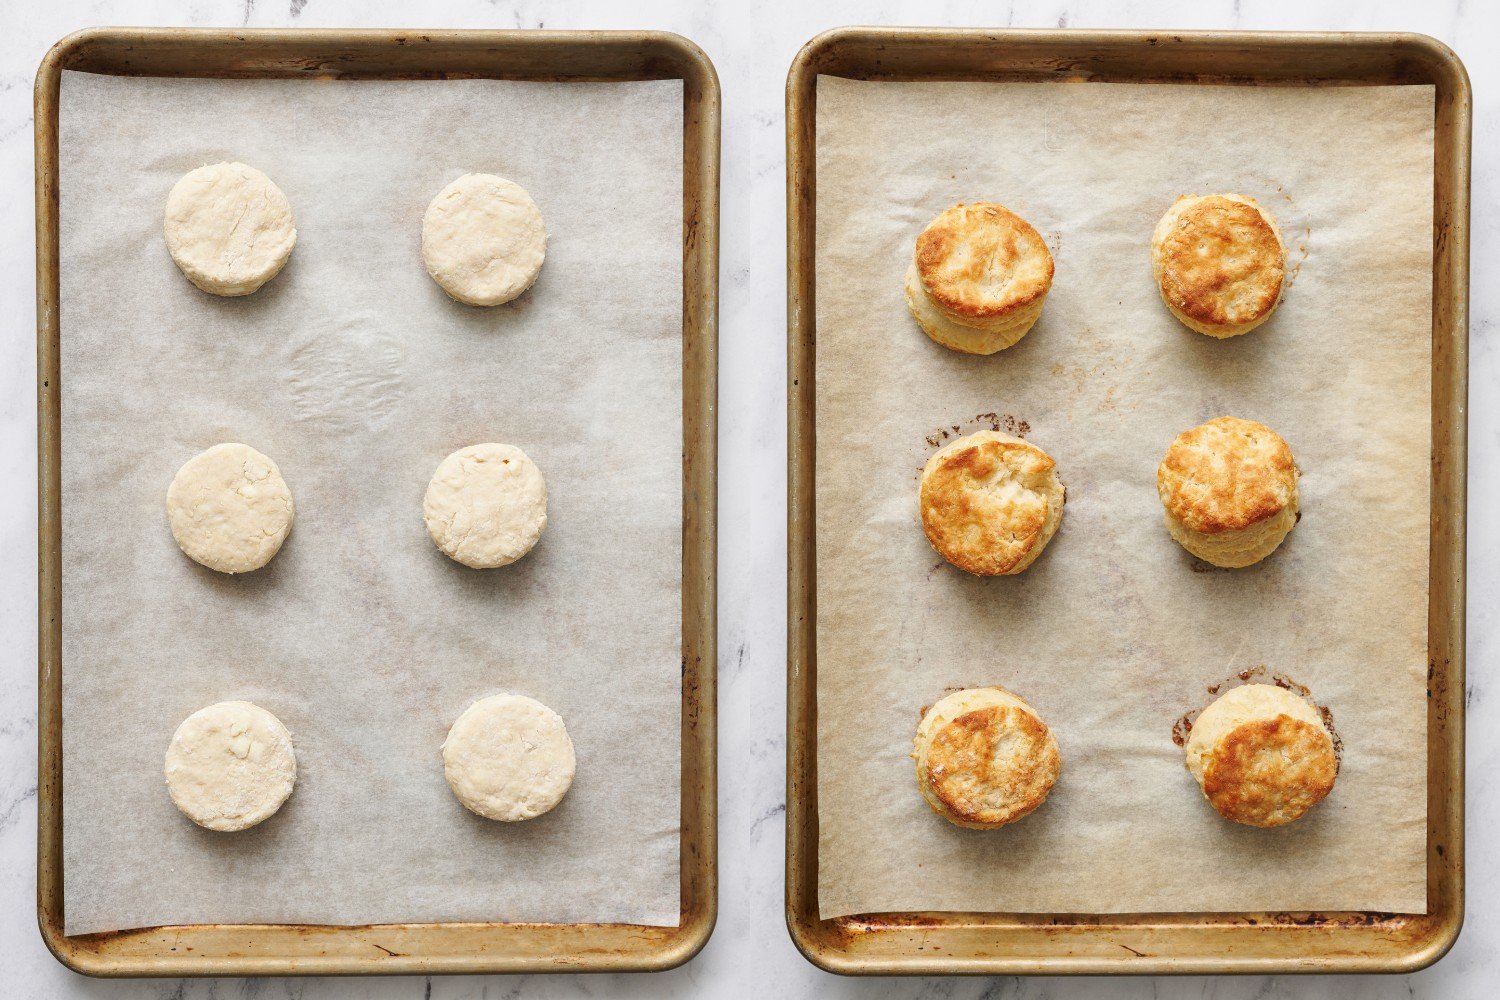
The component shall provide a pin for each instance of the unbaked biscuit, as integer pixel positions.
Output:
(229, 508)
(486, 505)
(483, 239)
(1219, 263)
(978, 278)
(230, 766)
(229, 228)
(1229, 491)
(984, 758)
(1262, 755)
(990, 502)
(509, 758)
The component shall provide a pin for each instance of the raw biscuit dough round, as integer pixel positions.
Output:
(230, 766)
(509, 758)
(486, 505)
(483, 239)
(229, 228)
(229, 508)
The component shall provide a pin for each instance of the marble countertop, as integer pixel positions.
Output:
(751, 43)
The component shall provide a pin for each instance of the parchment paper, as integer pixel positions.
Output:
(357, 375)
(1115, 631)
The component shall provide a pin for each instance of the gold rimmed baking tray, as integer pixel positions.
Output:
(1055, 943)
(261, 949)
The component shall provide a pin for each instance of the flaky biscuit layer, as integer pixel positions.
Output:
(1262, 755)
(1219, 263)
(984, 758)
(1229, 491)
(990, 503)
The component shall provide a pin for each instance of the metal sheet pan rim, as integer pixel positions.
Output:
(225, 949)
(1022, 944)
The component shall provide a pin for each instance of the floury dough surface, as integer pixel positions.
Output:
(509, 758)
(230, 509)
(230, 766)
(483, 239)
(229, 228)
(358, 374)
(486, 505)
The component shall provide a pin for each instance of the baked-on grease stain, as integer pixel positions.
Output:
(1292, 268)
(1260, 674)
(1006, 422)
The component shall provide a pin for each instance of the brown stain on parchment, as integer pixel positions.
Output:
(1258, 674)
(1008, 423)
(1296, 255)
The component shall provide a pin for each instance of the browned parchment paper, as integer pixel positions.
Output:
(358, 375)
(1115, 631)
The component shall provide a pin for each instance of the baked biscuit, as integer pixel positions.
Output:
(984, 758)
(1229, 488)
(990, 503)
(1262, 755)
(978, 278)
(1219, 262)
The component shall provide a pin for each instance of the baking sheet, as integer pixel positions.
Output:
(1115, 631)
(358, 375)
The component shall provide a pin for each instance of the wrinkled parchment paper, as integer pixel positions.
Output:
(1115, 631)
(357, 375)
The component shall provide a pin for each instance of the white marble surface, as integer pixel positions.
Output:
(751, 43)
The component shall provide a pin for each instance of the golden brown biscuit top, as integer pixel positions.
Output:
(1221, 262)
(1270, 771)
(993, 765)
(983, 261)
(985, 505)
(1226, 475)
